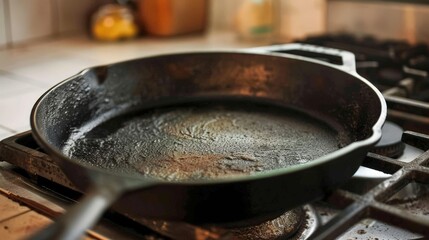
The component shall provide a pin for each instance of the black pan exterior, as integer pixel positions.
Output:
(341, 99)
(247, 202)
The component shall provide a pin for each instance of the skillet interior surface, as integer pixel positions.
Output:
(203, 140)
(64, 116)
(127, 95)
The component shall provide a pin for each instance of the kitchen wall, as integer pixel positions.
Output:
(22, 21)
(295, 19)
(382, 19)
(27, 21)
(402, 20)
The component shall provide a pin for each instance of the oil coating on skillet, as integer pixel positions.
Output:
(204, 141)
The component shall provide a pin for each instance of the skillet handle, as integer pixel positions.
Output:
(81, 216)
(336, 58)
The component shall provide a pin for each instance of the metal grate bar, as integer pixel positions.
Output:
(382, 163)
(421, 175)
(409, 106)
(418, 140)
(422, 160)
(383, 191)
(342, 222)
(371, 204)
(399, 218)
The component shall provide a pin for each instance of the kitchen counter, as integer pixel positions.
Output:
(26, 72)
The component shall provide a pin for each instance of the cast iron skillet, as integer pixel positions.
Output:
(281, 104)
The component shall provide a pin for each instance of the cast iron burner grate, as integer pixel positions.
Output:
(398, 69)
(375, 203)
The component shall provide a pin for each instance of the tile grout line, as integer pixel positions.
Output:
(55, 18)
(8, 129)
(10, 94)
(25, 79)
(8, 23)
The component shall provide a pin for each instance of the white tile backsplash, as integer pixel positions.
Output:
(27, 55)
(22, 21)
(28, 71)
(11, 84)
(16, 102)
(30, 19)
(368, 18)
(16, 109)
(421, 23)
(51, 70)
(4, 133)
(3, 38)
(302, 18)
(222, 13)
(295, 19)
(73, 15)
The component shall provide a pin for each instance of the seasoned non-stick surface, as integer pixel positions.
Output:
(203, 141)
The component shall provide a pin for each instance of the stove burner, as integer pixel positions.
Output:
(296, 224)
(390, 144)
(279, 228)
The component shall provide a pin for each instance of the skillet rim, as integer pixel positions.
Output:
(354, 146)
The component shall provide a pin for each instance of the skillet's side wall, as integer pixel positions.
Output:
(335, 96)
(248, 202)
(322, 91)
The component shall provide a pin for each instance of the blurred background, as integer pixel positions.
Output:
(265, 21)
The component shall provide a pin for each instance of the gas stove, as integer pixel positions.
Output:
(388, 198)
(398, 69)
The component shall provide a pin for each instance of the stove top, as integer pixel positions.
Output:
(395, 205)
(399, 200)
(388, 198)
(398, 69)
